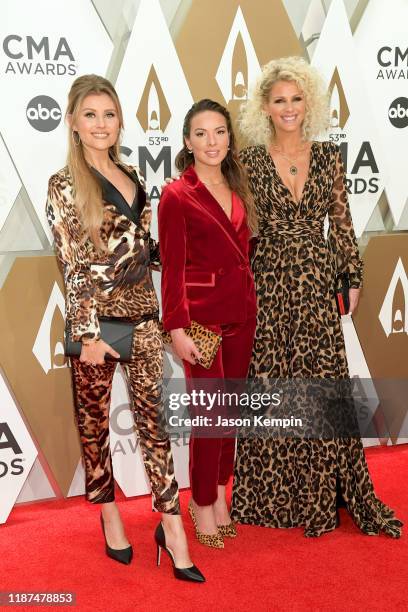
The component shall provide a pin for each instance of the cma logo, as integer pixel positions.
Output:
(392, 56)
(339, 110)
(393, 62)
(239, 63)
(364, 159)
(154, 115)
(153, 112)
(146, 158)
(394, 311)
(7, 440)
(48, 346)
(16, 47)
(38, 56)
(339, 115)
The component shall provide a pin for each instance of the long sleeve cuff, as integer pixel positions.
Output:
(181, 318)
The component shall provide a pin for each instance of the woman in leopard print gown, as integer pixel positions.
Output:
(296, 183)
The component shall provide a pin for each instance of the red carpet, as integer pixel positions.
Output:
(57, 546)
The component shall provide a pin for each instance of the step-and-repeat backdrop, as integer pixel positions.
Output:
(162, 57)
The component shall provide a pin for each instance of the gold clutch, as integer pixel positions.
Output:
(205, 340)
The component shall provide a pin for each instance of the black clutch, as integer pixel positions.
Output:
(342, 293)
(118, 333)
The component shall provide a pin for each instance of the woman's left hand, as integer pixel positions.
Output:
(169, 180)
(354, 296)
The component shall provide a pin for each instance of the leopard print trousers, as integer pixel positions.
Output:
(92, 393)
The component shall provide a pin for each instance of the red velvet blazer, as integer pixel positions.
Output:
(206, 275)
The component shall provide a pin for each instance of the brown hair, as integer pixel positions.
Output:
(87, 191)
(231, 167)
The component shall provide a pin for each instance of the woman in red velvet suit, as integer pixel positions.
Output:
(205, 223)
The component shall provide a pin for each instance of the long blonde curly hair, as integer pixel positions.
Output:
(255, 124)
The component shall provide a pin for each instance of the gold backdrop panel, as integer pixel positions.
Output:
(261, 27)
(382, 322)
(31, 354)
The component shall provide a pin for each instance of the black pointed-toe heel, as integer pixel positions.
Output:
(123, 555)
(190, 574)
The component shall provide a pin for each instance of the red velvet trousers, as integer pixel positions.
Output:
(211, 458)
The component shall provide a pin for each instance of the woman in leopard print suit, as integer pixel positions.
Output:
(296, 183)
(100, 217)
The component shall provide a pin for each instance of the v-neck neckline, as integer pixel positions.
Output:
(199, 197)
(308, 177)
(217, 202)
(117, 190)
(224, 212)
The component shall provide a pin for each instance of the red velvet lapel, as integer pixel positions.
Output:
(198, 192)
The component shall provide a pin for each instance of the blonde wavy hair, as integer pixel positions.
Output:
(255, 124)
(87, 190)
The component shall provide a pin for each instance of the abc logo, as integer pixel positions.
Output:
(43, 113)
(398, 112)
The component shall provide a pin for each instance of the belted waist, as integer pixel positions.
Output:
(295, 227)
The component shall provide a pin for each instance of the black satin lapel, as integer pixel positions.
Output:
(210, 206)
(140, 200)
(111, 195)
(140, 196)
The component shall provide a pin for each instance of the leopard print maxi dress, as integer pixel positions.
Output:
(290, 482)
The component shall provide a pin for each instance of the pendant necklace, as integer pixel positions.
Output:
(293, 169)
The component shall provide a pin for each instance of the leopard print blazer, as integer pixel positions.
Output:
(116, 282)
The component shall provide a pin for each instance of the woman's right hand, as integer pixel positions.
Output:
(184, 346)
(93, 353)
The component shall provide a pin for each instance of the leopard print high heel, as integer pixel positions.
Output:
(213, 540)
(228, 531)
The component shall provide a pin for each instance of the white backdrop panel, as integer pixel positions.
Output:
(365, 165)
(46, 45)
(382, 44)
